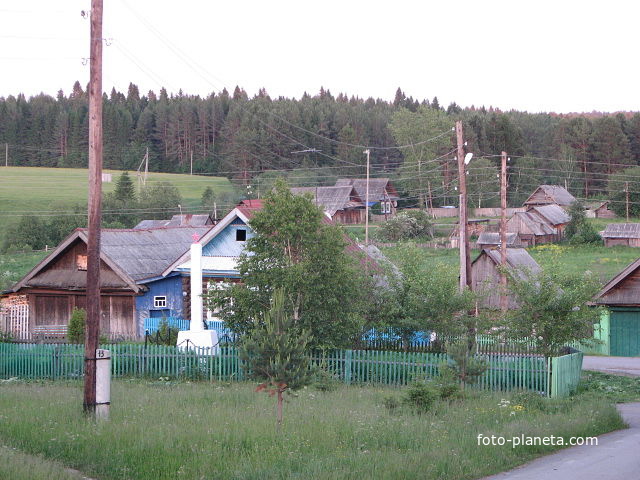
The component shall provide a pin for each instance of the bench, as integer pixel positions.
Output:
(50, 333)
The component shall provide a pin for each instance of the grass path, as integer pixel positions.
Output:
(17, 465)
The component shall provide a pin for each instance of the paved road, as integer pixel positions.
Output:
(615, 365)
(616, 457)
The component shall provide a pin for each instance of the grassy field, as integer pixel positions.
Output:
(16, 465)
(603, 262)
(164, 430)
(25, 190)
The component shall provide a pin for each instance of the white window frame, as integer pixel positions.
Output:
(160, 301)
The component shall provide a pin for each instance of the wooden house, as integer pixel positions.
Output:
(550, 194)
(531, 228)
(132, 286)
(620, 329)
(553, 215)
(492, 240)
(625, 234)
(381, 191)
(342, 204)
(599, 210)
(485, 275)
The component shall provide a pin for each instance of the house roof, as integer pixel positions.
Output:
(536, 224)
(493, 238)
(518, 260)
(622, 230)
(616, 281)
(550, 194)
(134, 256)
(377, 187)
(176, 221)
(554, 214)
(331, 199)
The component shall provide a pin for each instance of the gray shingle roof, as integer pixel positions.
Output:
(518, 259)
(553, 194)
(493, 238)
(145, 254)
(376, 188)
(555, 214)
(176, 221)
(537, 225)
(331, 199)
(622, 230)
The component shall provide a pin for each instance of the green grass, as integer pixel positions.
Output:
(16, 465)
(26, 190)
(166, 430)
(14, 266)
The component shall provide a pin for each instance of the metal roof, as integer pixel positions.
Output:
(622, 230)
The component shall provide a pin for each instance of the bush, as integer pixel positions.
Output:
(165, 335)
(406, 226)
(420, 397)
(391, 403)
(75, 331)
(324, 381)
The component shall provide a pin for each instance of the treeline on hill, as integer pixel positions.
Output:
(319, 138)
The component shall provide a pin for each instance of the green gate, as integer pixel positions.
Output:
(625, 332)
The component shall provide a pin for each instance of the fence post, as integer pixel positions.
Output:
(348, 355)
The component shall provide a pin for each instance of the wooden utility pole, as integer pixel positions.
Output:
(366, 202)
(503, 233)
(191, 162)
(465, 257)
(6, 154)
(92, 329)
(626, 191)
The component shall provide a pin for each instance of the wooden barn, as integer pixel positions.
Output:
(554, 215)
(492, 240)
(599, 210)
(550, 194)
(625, 234)
(381, 191)
(131, 284)
(342, 204)
(485, 276)
(621, 296)
(531, 228)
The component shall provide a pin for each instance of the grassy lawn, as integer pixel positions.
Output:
(16, 465)
(13, 266)
(27, 189)
(167, 430)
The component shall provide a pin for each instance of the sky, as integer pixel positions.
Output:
(543, 56)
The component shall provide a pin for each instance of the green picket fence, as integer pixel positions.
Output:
(554, 377)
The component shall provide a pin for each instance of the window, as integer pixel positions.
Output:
(241, 235)
(81, 262)
(160, 302)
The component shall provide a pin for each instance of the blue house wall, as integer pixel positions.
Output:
(170, 287)
(224, 244)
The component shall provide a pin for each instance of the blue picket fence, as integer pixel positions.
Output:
(151, 326)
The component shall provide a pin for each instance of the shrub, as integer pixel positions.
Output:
(75, 331)
(324, 380)
(165, 335)
(405, 226)
(464, 367)
(420, 396)
(391, 403)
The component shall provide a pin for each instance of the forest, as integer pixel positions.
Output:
(318, 138)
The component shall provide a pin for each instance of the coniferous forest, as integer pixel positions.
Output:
(317, 138)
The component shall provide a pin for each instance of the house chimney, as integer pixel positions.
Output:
(196, 285)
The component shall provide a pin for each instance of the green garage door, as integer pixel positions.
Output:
(625, 332)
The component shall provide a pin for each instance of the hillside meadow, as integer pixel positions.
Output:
(45, 191)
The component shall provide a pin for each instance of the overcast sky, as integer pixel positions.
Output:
(560, 55)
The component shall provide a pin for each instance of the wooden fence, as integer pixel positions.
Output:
(506, 372)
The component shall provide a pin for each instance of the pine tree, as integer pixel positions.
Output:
(276, 354)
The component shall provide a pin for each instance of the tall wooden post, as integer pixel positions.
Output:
(503, 233)
(465, 256)
(366, 201)
(94, 209)
(626, 191)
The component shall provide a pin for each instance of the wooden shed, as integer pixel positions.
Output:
(342, 204)
(625, 234)
(549, 194)
(554, 215)
(485, 276)
(621, 296)
(599, 210)
(381, 190)
(531, 228)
